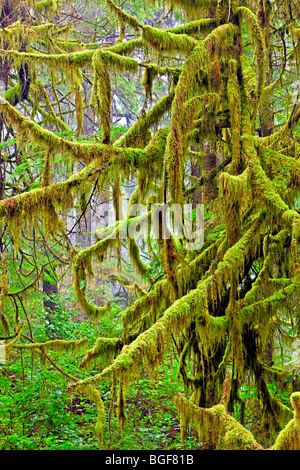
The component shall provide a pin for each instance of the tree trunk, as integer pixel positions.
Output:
(209, 189)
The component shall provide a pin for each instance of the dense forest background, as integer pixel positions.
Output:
(140, 341)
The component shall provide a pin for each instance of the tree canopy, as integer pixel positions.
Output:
(196, 103)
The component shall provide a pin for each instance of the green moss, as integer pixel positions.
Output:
(235, 190)
(137, 135)
(295, 32)
(93, 394)
(123, 16)
(162, 40)
(46, 6)
(147, 82)
(81, 263)
(266, 191)
(196, 27)
(190, 7)
(258, 43)
(68, 62)
(223, 431)
(234, 100)
(192, 78)
(56, 345)
(104, 349)
(128, 47)
(134, 252)
(3, 295)
(180, 315)
(249, 78)
(12, 94)
(101, 95)
(289, 437)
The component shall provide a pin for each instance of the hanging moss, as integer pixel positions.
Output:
(147, 81)
(134, 253)
(46, 178)
(258, 42)
(194, 73)
(151, 305)
(223, 430)
(101, 96)
(82, 263)
(46, 6)
(128, 47)
(93, 394)
(191, 6)
(104, 348)
(289, 437)
(125, 17)
(294, 31)
(3, 294)
(196, 27)
(174, 151)
(238, 186)
(234, 100)
(249, 78)
(57, 345)
(50, 117)
(137, 134)
(162, 40)
(79, 285)
(177, 317)
(68, 62)
(283, 171)
(262, 185)
(82, 151)
(56, 144)
(275, 415)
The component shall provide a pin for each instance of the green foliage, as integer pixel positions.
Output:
(39, 414)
